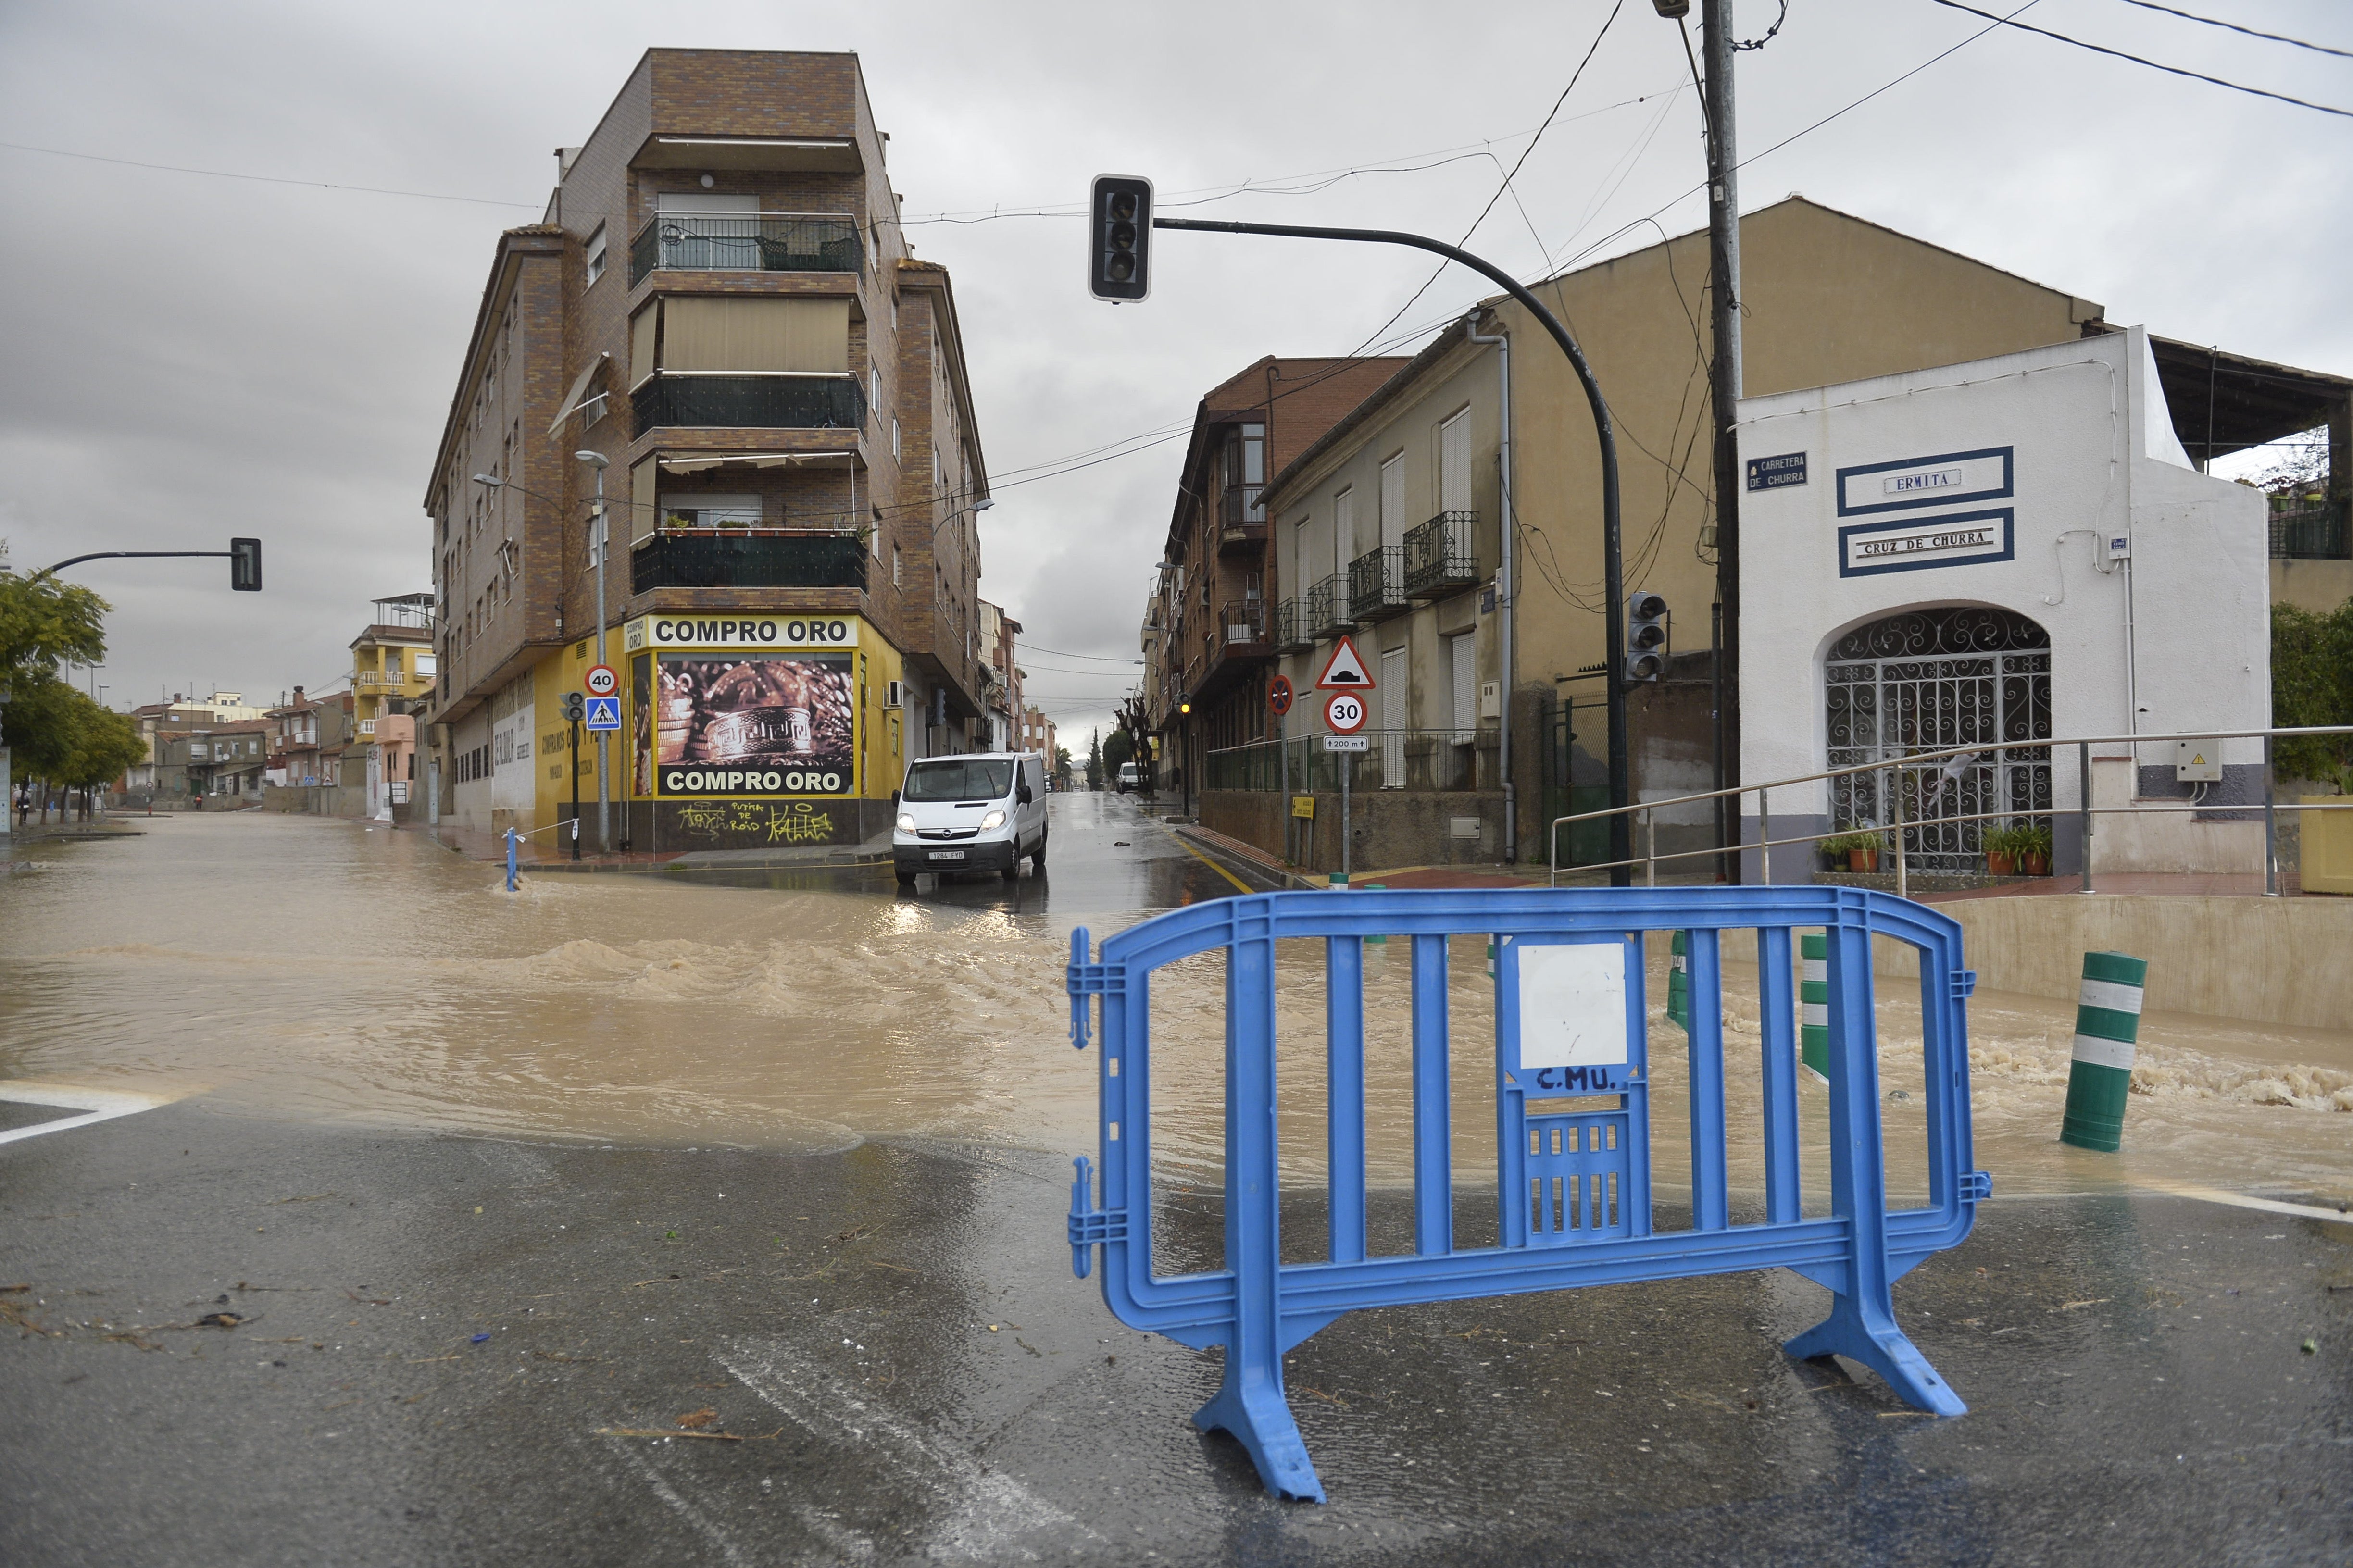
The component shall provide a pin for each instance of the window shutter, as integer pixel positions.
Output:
(707, 333)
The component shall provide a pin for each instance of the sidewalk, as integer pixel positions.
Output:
(550, 850)
(1483, 876)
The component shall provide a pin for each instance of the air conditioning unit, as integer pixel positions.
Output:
(894, 694)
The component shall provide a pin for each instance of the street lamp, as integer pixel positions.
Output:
(604, 789)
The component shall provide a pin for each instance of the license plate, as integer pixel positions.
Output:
(948, 854)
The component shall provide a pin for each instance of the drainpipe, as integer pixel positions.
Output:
(1509, 533)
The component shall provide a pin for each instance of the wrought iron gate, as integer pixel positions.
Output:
(1925, 680)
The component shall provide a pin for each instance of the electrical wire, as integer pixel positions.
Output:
(2153, 64)
(1065, 653)
(2234, 26)
(267, 179)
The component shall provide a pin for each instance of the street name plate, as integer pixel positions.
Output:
(1959, 539)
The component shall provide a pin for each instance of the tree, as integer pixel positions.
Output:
(1118, 751)
(44, 623)
(2312, 684)
(1094, 758)
(1062, 767)
(60, 736)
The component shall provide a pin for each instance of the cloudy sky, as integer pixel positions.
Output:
(192, 356)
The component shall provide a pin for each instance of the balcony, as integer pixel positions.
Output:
(746, 242)
(751, 401)
(1376, 583)
(1241, 520)
(748, 561)
(1326, 607)
(1291, 633)
(1242, 628)
(1438, 555)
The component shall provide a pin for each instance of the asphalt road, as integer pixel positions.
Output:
(460, 1350)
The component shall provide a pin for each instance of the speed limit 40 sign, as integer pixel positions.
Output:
(1345, 714)
(600, 680)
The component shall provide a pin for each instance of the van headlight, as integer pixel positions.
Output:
(994, 819)
(906, 822)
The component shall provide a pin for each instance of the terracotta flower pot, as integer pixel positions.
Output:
(2035, 864)
(1862, 859)
(1998, 864)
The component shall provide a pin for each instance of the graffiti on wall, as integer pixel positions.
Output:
(795, 822)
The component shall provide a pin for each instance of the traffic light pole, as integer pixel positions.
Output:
(1621, 842)
(575, 789)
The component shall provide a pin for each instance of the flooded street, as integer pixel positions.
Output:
(292, 967)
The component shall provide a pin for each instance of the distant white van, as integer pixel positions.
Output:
(1130, 777)
(980, 812)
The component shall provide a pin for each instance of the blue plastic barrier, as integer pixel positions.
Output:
(1574, 1188)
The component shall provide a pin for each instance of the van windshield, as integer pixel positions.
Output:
(954, 778)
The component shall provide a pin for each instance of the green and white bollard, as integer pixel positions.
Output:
(1678, 986)
(2107, 1023)
(1814, 1006)
(1376, 888)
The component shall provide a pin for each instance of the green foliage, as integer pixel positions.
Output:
(2027, 835)
(1847, 843)
(57, 733)
(1118, 751)
(2312, 683)
(44, 622)
(1094, 758)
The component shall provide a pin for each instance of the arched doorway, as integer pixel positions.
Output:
(1925, 680)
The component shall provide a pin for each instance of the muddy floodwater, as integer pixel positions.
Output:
(318, 970)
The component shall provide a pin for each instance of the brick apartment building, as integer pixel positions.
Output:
(720, 304)
(1211, 631)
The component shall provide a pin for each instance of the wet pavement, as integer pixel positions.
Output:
(503, 1191)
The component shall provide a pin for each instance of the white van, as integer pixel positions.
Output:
(980, 812)
(1131, 777)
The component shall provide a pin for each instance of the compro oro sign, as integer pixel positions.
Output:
(752, 706)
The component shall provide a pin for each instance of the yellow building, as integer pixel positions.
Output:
(392, 661)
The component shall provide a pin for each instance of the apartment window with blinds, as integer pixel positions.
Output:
(597, 254)
(1393, 500)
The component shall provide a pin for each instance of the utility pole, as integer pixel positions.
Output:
(1723, 397)
(604, 787)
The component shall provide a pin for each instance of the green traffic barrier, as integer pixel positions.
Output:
(1678, 986)
(2107, 1025)
(1376, 888)
(1814, 1006)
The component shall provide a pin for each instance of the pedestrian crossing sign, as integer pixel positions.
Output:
(604, 713)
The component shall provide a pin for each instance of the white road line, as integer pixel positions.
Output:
(96, 1105)
(700, 1522)
(2242, 1201)
(986, 1509)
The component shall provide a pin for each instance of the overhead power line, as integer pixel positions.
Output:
(2153, 64)
(267, 179)
(2234, 26)
(1065, 653)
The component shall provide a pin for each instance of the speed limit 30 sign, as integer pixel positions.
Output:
(600, 680)
(1345, 714)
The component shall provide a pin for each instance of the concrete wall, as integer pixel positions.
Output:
(2316, 585)
(1391, 828)
(2270, 960)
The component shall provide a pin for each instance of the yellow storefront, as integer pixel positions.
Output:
(738, 731)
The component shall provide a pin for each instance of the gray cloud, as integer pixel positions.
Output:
(192, 358)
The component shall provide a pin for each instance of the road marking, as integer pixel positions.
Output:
(96, 1105)
(1205, 860)
(694, 1516)
(2242, 1201)
(989, 1509)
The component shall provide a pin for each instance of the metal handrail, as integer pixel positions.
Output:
(2084, 808)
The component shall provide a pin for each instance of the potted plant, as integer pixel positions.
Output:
(2001, 845)
(1860, 850)
(2034, 847)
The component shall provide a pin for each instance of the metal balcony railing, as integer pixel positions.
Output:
(739, 402)
(1291, 633)
(705, 560)
(1241, 623)
(1438, 555)
(1327, 605)
(746, 242)
(1376, 583)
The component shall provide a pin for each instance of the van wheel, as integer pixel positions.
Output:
(906, 878)
(1037, 856)
(1012, 871)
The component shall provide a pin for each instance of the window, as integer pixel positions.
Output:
(1343, 538)
(1454, 463)
(897, 576)
(739, 335)
(1245, 465)
(1393, 500)
(874, 390)
(895, 453)
(597, 254)
(1462, 657)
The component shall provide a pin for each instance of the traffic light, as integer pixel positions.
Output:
(245, 565)
(576, 707)
(1119, 239)
(1646, 637)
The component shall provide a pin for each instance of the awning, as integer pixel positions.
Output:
(572, 398)
(758, 460)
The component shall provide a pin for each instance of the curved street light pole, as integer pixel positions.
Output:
(1621, 832)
